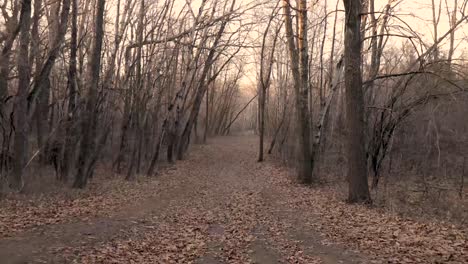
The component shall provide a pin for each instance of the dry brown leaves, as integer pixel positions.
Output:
(184, 234)
(386, 237)
(225, 204)
(20, 213)
(174, 239)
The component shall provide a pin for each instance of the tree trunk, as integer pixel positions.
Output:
(89, 115)
(154, 160)
(207, 114)
(70, 135)
(300, 77)
(356, 153)
(21, 102)
(261, 117)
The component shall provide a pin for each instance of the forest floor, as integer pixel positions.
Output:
(217, 206)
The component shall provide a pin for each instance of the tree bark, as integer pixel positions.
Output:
(90, 115)
(21, 103)
(300, 77)
(70, 135)
(356, 153)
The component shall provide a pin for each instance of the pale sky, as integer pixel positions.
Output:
(415, 13)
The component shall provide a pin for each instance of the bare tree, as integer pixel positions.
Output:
(265, 77)
(21, 115)
(70, 135)
(299, 66)
(89, 114)
(356, 152)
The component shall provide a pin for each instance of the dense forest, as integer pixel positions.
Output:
(363, 97)
(117, 86)
(402, 132)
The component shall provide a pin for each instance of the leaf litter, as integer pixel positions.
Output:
(221, 203)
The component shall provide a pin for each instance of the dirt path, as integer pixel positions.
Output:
(219, 206)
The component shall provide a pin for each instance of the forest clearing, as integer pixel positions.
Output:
(233, 131)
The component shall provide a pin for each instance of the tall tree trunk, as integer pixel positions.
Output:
(356, 153)
(300, 77)
(136, 127)
(90, 114)
(21, 102)
(70, 136)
